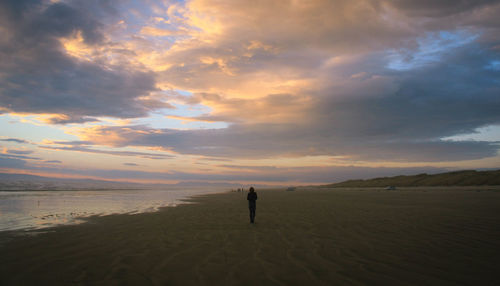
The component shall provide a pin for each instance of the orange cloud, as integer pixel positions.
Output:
(158, 32)
(100, 135)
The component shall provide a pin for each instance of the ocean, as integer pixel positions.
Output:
(28, 210)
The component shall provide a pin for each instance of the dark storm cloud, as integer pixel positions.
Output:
(38, 77)
(456, 95)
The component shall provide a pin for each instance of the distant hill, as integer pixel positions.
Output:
(458, 178)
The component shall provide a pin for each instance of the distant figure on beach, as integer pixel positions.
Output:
(252, 205)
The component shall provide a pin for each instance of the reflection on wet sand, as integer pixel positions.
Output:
(41, 209)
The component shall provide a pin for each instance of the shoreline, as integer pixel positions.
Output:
(316, 236)
(10, 234)
(37, 210)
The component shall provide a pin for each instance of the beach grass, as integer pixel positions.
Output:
(411, 236)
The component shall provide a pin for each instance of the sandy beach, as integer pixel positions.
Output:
(410, 236)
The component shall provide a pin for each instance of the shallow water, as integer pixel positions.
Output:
(40, 209)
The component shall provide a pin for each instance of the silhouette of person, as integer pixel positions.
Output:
(252, 205)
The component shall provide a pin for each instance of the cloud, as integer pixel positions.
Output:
(6, 162)
(110, 152)
(19, 152)
(281, 43)
(39, 76)
(22, 157)
(364, 80)
(53, 161)
(439, 8)
(380, 114)
(15, 140)
(157, 32)
(64, 119)
(388, 90)
(265, 140)
(276, 108)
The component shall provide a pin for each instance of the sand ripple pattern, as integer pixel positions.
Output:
(307, 237)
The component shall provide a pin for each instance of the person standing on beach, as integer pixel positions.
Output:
(252, 205)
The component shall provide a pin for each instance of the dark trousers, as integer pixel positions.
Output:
(252, 207)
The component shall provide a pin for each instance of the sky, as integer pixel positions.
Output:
(267, 92)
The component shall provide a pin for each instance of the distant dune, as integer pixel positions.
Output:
(459, 178)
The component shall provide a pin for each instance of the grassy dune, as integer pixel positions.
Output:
(420, 236)
(459, 178)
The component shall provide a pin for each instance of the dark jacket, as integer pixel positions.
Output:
(252, 197)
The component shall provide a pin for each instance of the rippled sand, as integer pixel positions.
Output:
(418, 236)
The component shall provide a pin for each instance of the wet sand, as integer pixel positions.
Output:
(412, 236)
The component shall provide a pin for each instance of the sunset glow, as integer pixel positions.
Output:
(269, 92)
